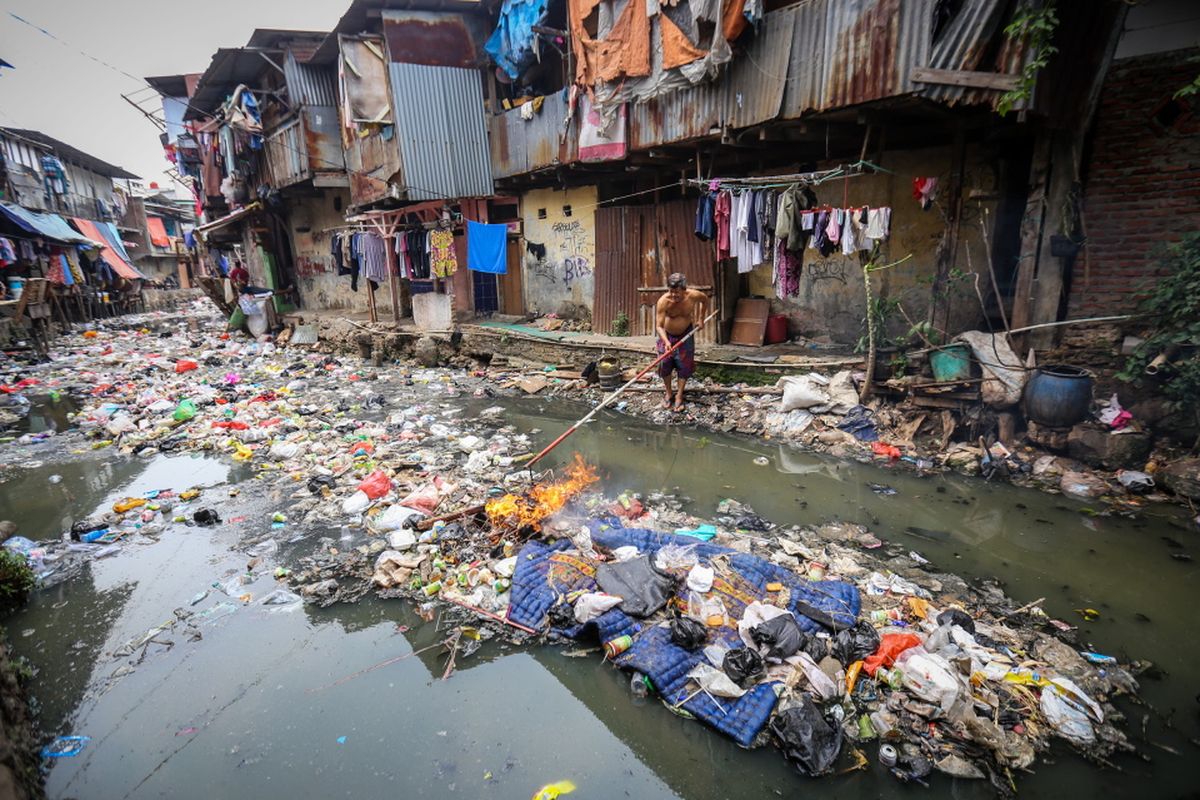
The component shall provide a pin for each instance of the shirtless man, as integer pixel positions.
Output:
(678, 311)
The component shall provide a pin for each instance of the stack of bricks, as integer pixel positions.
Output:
(1142, 180)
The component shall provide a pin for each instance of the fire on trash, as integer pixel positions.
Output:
(526, 511)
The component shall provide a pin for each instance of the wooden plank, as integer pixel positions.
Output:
(958, 77)
(750, 321)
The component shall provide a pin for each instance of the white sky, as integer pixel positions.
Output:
(58, 91)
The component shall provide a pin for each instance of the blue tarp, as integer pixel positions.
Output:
(547, 572)
(511, 44)
(51, 226)
(487, 247)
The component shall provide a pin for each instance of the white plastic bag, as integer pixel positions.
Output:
(1068, 719)
(676, 556)
(822, 685)
(803, 391)
(593, 604)
(396, 517)
(700, 579)
(756, 614)
(715, 681)
(356, 503)
(929, 677)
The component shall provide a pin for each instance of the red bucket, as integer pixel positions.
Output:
(777, 329)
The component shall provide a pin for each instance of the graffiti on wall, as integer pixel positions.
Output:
(827, 269)
(564, 259)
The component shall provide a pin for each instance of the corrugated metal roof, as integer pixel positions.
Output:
(678, 116)
(806, 67)
(873, 46)
(309, 85)
(439, 115)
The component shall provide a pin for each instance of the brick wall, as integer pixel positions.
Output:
(1143, 179)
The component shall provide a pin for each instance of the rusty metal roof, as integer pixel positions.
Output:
(520, 146)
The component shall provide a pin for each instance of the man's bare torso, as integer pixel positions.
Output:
(680, 314)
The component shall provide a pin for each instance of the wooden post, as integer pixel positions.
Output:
(389, 242)
(1031, 233)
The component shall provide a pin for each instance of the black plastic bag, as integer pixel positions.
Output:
(854, 644)
(743, 666)
(816, 647)
(317, 481)
(642, 589)
(781, 635)
(808, 741)
(688, 633)
(206, 516)
(954, 616)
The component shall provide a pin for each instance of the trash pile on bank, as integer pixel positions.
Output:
(825, 642)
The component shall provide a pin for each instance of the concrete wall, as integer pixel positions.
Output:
(832, 300)
(559, 251)
(1142, 180)
(311, 219)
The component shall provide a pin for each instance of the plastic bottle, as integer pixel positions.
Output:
(639, 686)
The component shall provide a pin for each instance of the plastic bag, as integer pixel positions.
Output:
(356, 503)
(954, 616)
(676, 556)
(1068, 719)
(184, 411)
(744, 666)
(803, 391)
(183, 365)
(375, 485)
(700, 579)
(284, 451)
(929, 677)
(891, 646)
(822, 685)
(854, 644)
(395, 517)
(781, 636)
(593, 604)
(754, 615)
(281, 597)
(714, 681)
(425, 499)
(644, 589)
(808, 741)
(688, 633)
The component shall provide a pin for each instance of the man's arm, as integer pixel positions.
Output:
(661, 320)
(699, 307)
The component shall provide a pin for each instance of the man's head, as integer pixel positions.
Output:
(676, 285)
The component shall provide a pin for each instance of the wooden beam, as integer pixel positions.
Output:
(957, 77)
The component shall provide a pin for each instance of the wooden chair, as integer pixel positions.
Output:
(32, 316)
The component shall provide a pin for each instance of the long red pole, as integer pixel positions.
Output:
(606, 401)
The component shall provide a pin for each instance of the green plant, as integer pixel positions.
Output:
(1035, 23)
(620, 325)
(880, 310)
(1189, 89)
(16, 579)
(1173, 303)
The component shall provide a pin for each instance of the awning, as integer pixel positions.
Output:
(158, 232)
(51, 226)
(110, 256)
(229, 219)
(113, 237)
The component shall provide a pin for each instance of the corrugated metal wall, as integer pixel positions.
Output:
(309, 85)
(618, 266)
(287, 160)
(439, 115)
(520, 146)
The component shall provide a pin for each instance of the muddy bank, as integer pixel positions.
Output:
(20, 762)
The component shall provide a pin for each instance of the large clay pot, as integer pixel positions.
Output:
(1058, 396)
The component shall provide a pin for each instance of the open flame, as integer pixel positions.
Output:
(528, 510)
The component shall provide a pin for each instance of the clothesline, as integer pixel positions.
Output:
(816, 178)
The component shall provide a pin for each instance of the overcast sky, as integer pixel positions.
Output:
(56, 90)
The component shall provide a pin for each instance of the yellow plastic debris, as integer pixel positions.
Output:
(552, 790)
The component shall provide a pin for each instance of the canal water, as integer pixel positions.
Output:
(293, 702)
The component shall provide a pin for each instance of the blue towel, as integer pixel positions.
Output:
(486, 245)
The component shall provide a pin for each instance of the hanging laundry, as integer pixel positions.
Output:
(721, 216)
(879, 222)
(8, 253)
(859, 221)
(792, 204)
(834, 229)
(486, 245)
(820, 240)
(788, 266)
(925, 191)
(373, 258)
(743, 248)
(443, 260)
(705, 216)
(849, 234)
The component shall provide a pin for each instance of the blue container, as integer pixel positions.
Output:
(1058, 396)
(951, 363)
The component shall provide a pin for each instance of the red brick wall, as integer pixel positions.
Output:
(1142, 181)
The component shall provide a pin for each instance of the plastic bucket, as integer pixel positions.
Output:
(609, 373)
(777, 329)
(951, 363)
(16, 286)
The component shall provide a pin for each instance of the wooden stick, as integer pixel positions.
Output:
(426, 524)
(490, 615)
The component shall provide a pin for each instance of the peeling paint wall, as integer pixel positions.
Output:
(559, 250)
(311, 224)
(832, 301)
